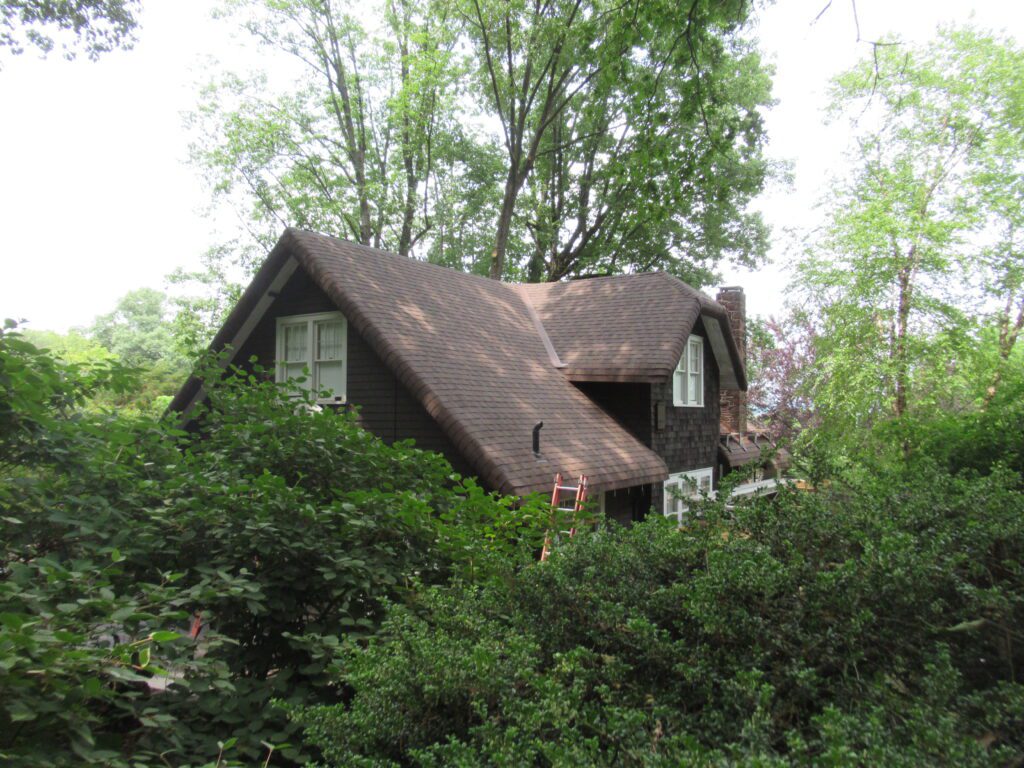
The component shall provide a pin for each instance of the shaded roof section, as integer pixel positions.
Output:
(631, 327)
(736, 450)
(470, 350)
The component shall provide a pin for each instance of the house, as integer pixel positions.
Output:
(625, 374)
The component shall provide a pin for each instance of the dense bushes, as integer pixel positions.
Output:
(285, 527)
(875, 624)
(395, 613)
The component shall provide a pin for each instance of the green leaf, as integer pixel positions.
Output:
(164, 636)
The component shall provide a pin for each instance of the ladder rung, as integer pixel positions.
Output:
(567, 487)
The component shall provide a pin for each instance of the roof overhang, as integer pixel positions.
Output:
(730, 374)
(240, 323)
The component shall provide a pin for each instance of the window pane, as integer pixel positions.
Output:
(296, 338)
(330, 340)
(705, 483)
(695, 392)
(679, 387)
(297, 371)
(694, 356)
(331, 376)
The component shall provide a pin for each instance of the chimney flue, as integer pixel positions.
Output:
(734, 402)
(536, 438)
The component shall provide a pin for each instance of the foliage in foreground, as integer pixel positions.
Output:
(286, 528)
(394, 612)
(876, 623)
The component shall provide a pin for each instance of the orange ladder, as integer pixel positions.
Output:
(580, 497)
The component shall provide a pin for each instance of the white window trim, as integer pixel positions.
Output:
(688, 484)
(311, 320)
(682, 397)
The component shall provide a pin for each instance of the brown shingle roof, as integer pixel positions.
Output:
(469, 350)
(735, 450)
(630, 327)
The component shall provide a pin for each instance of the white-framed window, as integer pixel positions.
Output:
(686, 485)
(317, 344)
(688, 378)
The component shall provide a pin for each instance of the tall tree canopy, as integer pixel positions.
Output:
(633, 128)
(93, 26)
(926, 230)
(525, 140)
(356, 146)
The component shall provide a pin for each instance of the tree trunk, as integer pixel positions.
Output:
(1007, 341)
(900, 350)
(409, 209)
(508, 205)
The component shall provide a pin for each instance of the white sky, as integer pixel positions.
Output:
(96, 198)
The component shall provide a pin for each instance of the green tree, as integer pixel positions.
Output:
(93, 26)
(138, 330)
(612, 118)
(354, 148)
(923, 229)
(72, 347)
(206, 295)
(140, 333)
(579, 137)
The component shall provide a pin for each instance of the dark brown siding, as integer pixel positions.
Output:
(689, 439)
(627, 505)
(384, 405)
(628, 403)
(300, 296)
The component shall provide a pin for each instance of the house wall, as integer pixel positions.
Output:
(628, 403)
(628, 505)
(689, 438)
(384, 406)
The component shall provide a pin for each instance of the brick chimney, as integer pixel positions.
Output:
(734, 402)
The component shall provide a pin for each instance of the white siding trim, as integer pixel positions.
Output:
(246, 329)
(704, 480)
(682, 397)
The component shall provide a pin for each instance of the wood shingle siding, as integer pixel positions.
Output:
(384, 406)
(629, 403)
(689, 439)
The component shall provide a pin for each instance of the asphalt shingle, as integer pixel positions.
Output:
(470, 350)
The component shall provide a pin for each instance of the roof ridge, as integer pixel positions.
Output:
(524, 295)
(450, 271)
(689, 291)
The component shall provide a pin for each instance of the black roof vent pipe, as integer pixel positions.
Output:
(536, 438)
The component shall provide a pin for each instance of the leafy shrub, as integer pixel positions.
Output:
(865, 624)
(283, 526)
